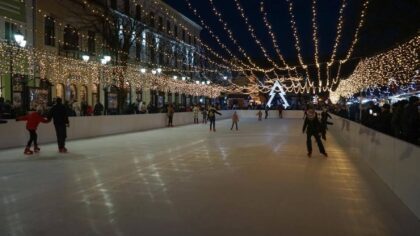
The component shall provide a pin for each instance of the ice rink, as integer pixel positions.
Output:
(189, 181)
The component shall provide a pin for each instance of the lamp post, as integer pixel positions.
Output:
(104, 61)
(20, 41)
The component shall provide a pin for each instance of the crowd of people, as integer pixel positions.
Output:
(401, 120)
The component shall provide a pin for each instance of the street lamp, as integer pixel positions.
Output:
(21, 42)
(197, 82)
(85, 58)
(154, 72)
(159, 70)
(143, 70)
(183, 78)
(225, 77)
(175, 77)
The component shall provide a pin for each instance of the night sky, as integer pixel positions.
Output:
(388, 23)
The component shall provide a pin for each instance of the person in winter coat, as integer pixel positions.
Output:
(411, 121)
(196, 110)
(99, 109)
(32, 121)
(212, 117)
(312, 128)
(204, 113)
(170, 114)
(235, 120)
(61, 121)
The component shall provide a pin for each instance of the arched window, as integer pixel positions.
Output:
(72, 93)
(95, 94)
(59, 91)
(83, 93)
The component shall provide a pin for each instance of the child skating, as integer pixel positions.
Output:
(235, 120)
(259, 114)
(32, 121)
(204, 113)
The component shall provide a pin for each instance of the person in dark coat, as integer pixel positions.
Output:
(411, 121)
(267, 108)
(212, 117)
(61, 121)
(99, 109)
(385, 120)
(312, 128)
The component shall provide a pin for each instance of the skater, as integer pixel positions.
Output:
(212, 117)
(170, 114)
(267, 108)
(312, 128)
(196, 110)
(32, 121)
(280, 108)
(259, 114)
(235, 120)
(204, 113)
(61, 121)
(324, 122)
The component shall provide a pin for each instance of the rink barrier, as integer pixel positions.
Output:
(395, 161)
(13, 134)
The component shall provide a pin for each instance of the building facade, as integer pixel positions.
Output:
(162, 42)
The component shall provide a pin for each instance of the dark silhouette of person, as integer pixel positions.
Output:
(312, 128)
(61, 121)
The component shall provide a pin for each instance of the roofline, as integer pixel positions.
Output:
(182, 15)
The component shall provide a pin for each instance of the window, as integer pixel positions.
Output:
(138, 12)
(195, 41)
(152, 19)
(138, 50)
(114, 4)
(71, 38)
(91, 42)
(168, 27)
(183, 35)
(49, 28)
(11, 30)
(176, 31)
(127, 7)
(160, 24)
(189, 39)
(59, 91)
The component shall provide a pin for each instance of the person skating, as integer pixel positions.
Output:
(259, 114)
(204, 113)
(196, 110)
(267, 108)
(61, 121)
(280, 108)
(170, 113)
(312, 128)
(324, 122)
(212, 117)
(32, 121)
(235, 120)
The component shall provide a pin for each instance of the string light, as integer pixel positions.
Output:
(399, 64)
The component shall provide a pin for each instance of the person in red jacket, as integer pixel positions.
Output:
(32, 121)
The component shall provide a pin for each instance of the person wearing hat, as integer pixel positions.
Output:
(312, 127)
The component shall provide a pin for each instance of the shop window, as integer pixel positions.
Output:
(59, 91)
(83, 94)
(72, 93)
(95, 94)
(91, 42)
